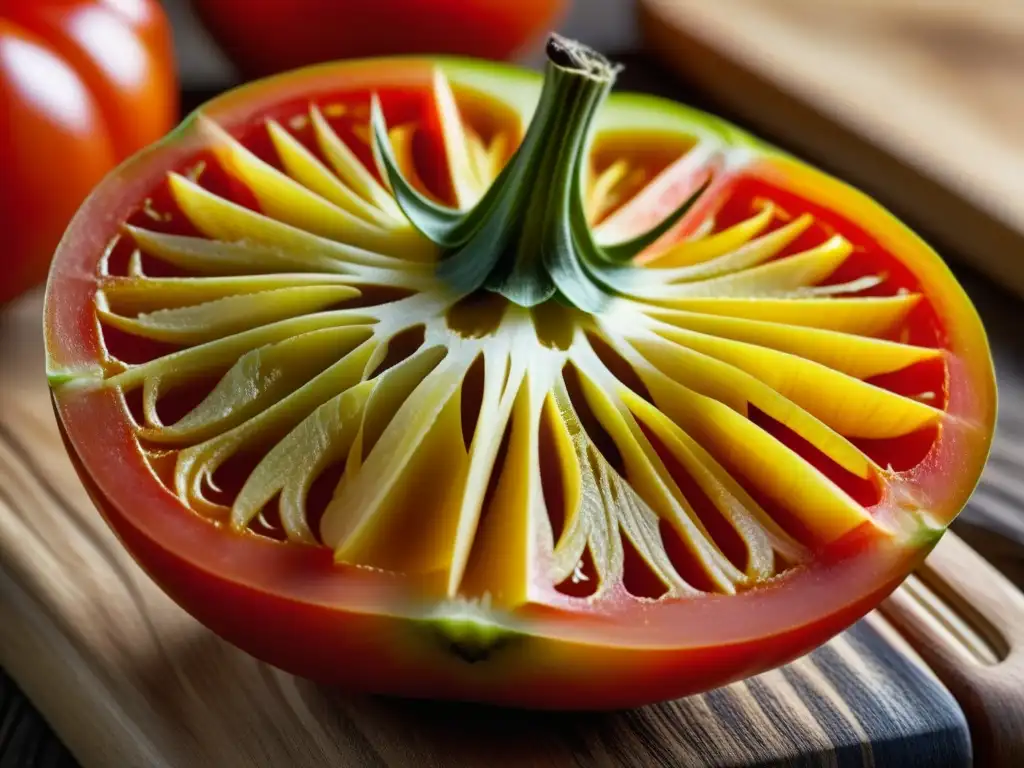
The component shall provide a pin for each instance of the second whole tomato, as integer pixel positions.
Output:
(263, 37)
(83, 85)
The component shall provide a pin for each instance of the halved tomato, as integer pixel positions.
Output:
(440, 378)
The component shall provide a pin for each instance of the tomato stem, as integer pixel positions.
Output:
(528, 238)
(575, 83)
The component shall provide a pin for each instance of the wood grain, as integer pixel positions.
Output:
(127, 679)
(967, 621)
(919, 103)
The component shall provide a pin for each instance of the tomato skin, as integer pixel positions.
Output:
(272, 36)
(83, 85)
(293, 607)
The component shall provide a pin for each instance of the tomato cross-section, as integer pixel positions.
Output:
(441, 378)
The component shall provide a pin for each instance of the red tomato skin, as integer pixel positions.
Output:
(272, 36)
(83, 85)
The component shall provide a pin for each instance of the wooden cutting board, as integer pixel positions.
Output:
(918, 102)
(127, 679)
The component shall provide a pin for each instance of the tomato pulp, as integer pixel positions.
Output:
(333, 445)
(94, 78)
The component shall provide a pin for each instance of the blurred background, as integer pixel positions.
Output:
(610, 25)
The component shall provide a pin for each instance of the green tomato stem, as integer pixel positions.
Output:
(576, 81)
(528, 237)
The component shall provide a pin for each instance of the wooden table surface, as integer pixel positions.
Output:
(992, 523)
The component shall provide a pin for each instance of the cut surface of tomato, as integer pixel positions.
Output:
(436, 377)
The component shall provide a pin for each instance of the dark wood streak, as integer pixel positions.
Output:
(917, 725)
(725, 705)
(841, 732)
(912, 695)
(26, 740)
(769, 703)
(650, 731)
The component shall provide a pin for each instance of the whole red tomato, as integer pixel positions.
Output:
(83, 84)
(266, 36)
